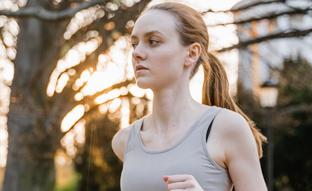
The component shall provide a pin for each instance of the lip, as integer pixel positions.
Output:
(140, 67)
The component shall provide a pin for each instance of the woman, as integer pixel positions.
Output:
(169, 149)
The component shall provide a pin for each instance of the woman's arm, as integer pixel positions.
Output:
(240, 152)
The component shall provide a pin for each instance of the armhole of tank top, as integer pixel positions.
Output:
(132, 131)
(204, 143)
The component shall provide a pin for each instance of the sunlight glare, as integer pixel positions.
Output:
(125, 113)
(82, 19)
(72, 117)
(6, 71)
(108, 96)
(8, 38)
(100, 80)
(78, 96)
(114, 105)
(103, 108)
(73, 57)
(67, 142)
(3, 140)
(62, 83)
(136, 91)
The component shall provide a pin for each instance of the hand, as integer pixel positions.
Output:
(181, 182)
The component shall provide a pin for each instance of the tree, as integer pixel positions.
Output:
(291, 124)
(271, 11)
(34, 119)
(97, 164)
(292, 127)
(290, 8)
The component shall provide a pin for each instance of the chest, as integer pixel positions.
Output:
(160, 142)
(142, 170)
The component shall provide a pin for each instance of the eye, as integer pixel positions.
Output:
(133, 45)
(153, 42)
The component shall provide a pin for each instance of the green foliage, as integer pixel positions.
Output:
(295, 82)
(71, 186)
(292, 129)
(99, 167)
(293, 162)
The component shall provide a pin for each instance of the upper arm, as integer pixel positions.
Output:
(241, 156)
(119, 142)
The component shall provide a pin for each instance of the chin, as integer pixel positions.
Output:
(143, 84)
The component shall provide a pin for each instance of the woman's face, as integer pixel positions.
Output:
(157, 47)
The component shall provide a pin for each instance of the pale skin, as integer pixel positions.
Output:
(157, 47)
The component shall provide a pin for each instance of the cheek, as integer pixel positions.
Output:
(168, 60)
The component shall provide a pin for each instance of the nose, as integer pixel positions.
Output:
(138, 52)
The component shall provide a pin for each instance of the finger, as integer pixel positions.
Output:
(177, 178)
(180, 185)
(165, 178)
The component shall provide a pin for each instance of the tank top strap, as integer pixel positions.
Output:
(206, 128)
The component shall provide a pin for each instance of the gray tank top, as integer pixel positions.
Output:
(143, 169)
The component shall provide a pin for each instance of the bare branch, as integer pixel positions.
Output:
(279, 35)
(91, 61)
(106, 90)
(267, 16)
(96, 107)
(266, 60)
(130, 13)
(91, 110)
(296, 108)
(89, 99)
(43, 14)
(248, 6)
(120, 23)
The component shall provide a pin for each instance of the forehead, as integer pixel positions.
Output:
(155, 20)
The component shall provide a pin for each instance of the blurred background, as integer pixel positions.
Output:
(67, 86)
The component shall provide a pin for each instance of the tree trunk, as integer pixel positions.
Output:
(34, 132)
(30, 163)
(30, 175)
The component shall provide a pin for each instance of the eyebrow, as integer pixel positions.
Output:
(146, 34)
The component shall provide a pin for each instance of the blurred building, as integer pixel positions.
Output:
(258, 61)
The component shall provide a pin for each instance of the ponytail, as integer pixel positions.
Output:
(216, 92)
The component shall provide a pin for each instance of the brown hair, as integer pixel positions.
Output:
(192, 28)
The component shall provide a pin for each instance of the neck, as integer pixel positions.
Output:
(172, 108)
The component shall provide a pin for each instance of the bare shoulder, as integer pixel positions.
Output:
(236, 135)
(232, 145)
(232, 123)
(226, 125)
(119, 141)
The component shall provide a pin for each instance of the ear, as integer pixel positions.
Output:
(194, 52)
